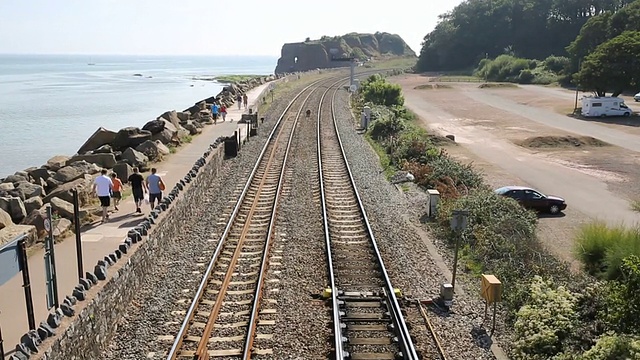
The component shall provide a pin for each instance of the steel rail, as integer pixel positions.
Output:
(406, 344)
(173, 352)
(337, 330)
(258, 293)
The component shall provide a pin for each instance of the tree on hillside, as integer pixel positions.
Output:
(613, 66)
(603, 27)
(476, 29)
(592, 34)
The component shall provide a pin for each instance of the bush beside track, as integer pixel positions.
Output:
(553, 313)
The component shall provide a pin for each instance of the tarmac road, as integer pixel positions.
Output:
(583, 192)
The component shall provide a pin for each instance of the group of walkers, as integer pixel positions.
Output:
(242, 100)
(219, 110)
(111, 187)
(108, 187)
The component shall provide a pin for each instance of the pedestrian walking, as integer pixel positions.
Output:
(239, 99)
(138, 188)
(155, 185)
(102, 186)
(223, 112)
(245, 100)
(215, 111)
(116, 190)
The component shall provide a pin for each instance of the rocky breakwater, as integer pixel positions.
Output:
(230, 91)
(25, 195)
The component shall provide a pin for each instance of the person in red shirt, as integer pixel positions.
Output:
(223, 112)
(116, 190)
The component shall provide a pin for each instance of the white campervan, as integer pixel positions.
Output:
(604, 106)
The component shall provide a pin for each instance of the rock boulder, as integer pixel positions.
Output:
(5, 219)
(75, 171)
(183, 116)
(134, 158)
(104, 149)
(130, 137)
(6, 186)
(30, 190)
(32, 204)
(5, 204)
(172, 117)
(11, 232)
(150, 149)
(60, 226)
(57, 162)
(64, 191)
(36, 219)
(100, 137)
(162, 148)
(104, 160)
(15, 178)
(18, 212)
(192, 129)
(65, 208)
(154, 126)
(41, 173)
(123, 170)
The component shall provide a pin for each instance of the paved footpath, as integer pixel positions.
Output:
(101, 239)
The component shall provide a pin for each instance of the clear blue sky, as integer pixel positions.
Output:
(201, 27)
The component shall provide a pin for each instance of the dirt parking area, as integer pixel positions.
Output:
(598, 180)
(562, 101)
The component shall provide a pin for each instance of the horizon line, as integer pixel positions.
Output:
(116, 54)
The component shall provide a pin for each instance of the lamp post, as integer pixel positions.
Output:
(459, 222)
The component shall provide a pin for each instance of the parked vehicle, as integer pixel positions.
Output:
(604, 106)
(533, 199)
(636, 97)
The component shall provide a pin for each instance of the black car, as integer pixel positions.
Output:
(533, 199)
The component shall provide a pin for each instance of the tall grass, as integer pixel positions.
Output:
(601, 248)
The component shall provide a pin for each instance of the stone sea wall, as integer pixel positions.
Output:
(24, 195)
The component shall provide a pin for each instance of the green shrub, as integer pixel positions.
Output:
(386, 127)
(461, 174)
(512, 69)
(601, 248)
(612, 346)
(525, 77)
(545, 322)
(623, 300)
(557, 64)
(378, 91)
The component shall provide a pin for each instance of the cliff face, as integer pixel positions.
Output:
(318, 54)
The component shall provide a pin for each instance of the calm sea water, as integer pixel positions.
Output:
(49, 105)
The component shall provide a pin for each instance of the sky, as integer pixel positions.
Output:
(201, 27)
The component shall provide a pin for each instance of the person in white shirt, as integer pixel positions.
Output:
(102, 187)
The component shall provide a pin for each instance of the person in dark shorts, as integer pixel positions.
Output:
(116, 190)
(138, 188)
(102, 187)
(155, 186)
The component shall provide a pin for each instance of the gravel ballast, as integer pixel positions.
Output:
(301, 331)
(407, 258)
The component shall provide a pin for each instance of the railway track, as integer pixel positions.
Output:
(367, 318)
(223, 318)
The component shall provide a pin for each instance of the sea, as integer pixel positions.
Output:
(50, 104)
